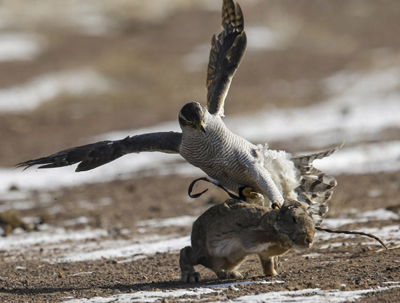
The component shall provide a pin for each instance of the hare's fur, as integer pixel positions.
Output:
(226, 233)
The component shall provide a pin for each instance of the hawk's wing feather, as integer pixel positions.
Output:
(96, 154)
(227, 51)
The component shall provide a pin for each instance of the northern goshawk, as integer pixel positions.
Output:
(228, 160)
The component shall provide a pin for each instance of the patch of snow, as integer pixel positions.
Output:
(189, 294)
(22, 200)
(379, 214)
(144, 247)
(363, 159)
(18, 205)
(312, 255)
(305, 295)
(62, 245)
(263, 38)
(15, 195)
(52, 235)
(175, 221)
(132, 259)
(310, 295)
(76, 221)
(335, 223)
(367, 216)
(19, 46)
(90, 18)
(43, 88)
(227, 285)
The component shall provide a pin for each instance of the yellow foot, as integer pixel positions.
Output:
(252, 196)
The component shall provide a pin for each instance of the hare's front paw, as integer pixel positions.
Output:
(270, 272)
(270, 264)
(229, 274)
(190, 277)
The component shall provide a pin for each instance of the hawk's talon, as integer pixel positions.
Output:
(275, 206)
(250, 193)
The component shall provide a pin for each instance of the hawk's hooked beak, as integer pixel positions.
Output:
(201, 127)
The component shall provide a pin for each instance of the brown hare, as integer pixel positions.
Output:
(226, 233)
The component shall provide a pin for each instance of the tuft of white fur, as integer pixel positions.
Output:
(234, 246)
(223, 247)
(282, 170)
(258, 247)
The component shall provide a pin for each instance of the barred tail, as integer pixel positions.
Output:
(316, 187)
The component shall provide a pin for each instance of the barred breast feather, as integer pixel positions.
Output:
(227, 158)
(219, 153)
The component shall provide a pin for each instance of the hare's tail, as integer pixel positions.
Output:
(316, 187)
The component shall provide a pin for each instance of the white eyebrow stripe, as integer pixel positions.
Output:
(182, 116)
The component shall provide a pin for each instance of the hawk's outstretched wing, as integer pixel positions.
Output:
(96, 154)
(227, 51)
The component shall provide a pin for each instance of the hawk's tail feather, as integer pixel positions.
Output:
(316, 187)
(304, 163)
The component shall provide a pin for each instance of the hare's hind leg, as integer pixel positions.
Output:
(186, 263)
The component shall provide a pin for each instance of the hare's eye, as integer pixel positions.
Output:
(294, 220)
(189, 122)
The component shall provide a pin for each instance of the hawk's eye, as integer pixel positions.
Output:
(189, 122)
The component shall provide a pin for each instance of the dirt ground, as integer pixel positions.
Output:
(144, 59)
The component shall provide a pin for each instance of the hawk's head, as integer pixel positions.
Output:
(192, 115)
